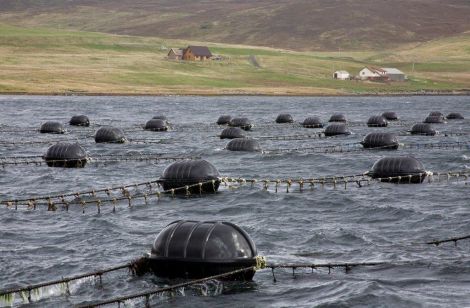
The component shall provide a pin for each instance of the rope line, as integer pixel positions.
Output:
(147, 294)
(18, 160)
(97, 273)
(125, 195)
(140, 267)
(453, 239)
(357, 147)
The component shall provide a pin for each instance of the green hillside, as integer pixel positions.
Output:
(47, 60)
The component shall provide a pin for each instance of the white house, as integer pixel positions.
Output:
(371, 73)
(342, 75)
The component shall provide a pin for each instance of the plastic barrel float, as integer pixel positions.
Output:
(455, 116)
(436, 114)
(243, 123)
(388, 141)
(390, 115)
(312, 122)
(377, 121)
(224, 119)
(336, 129)
(401, 169)
(160, 117)
(232, 133)
(110, 134)
(156, 125)
(244, 144)
(198, 176)
(80, 120)
(51, 127)
(434, 119)
(338, 117)
(284, 118)
(67, 155)
(424, 129)
(191, 249)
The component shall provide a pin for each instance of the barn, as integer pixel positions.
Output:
(394, 74)
(382, 74)
(196, 53)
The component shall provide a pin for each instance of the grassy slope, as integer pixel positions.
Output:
(43, 60)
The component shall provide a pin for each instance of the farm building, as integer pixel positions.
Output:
(175, 54)
(394, 74)
(372, 73)
(196, 53)
(383, 74)
(342, 75)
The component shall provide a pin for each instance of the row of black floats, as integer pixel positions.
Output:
(192, 250)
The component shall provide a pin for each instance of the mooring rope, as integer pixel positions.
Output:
(333, 181)
(453, 239)
(18, 160)
(321, 135)
(141, 266)
(146, 294)
(357, 147)
(52, 201)
(26, 291)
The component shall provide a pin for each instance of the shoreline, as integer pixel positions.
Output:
(221, 93)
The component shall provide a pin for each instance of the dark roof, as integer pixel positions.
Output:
(200, 51)
(176, 51)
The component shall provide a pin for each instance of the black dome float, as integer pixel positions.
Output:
(284, 118)
(224, 119)
(390, 115)
(336, 129)
(68, 155)
(402, 169)
(377, 121)
(193, 250)
(156, 125)
(312, 122)
(79, 120)
(434, 119)
(110, 134)
(455, 116)
(380, 141)
(338, 117)
(423, 129)
(436, 114)
(232, 133)
(243, 144)
(243, 123)
(190, 173)
(160, 117)
(52, 128)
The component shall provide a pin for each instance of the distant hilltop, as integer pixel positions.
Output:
(289, 24)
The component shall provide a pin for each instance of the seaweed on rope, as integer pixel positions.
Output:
(90, 197)
(140, 266)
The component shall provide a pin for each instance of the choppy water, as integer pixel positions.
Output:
(383, 222)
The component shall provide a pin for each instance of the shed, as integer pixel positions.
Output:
(394, 74)
(196, 53)
(175, 54)
(342, 75)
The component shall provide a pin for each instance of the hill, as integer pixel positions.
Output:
(45, 61)
(287, 24)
